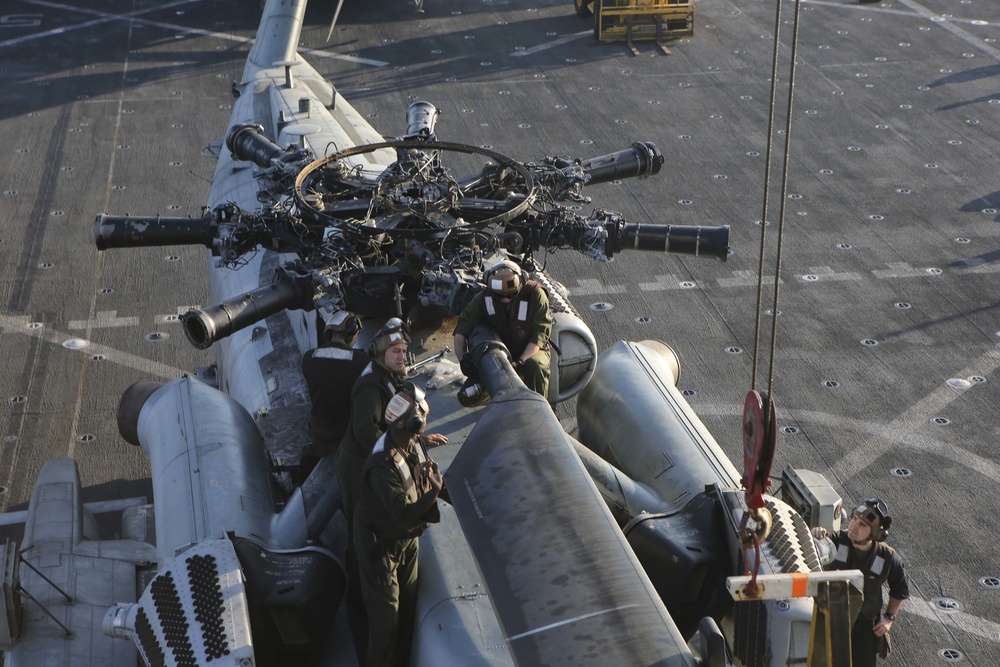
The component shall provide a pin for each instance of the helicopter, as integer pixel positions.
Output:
(406, 227)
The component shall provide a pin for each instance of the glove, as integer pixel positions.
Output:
(468, 368)
(518, 364)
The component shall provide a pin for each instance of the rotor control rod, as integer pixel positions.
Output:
(125, 231)
(247, 142)
(641, 159)
(693, 240)
(288, 290)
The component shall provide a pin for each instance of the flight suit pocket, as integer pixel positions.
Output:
(383, 565)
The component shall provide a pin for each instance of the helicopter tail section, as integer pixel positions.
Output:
(278, 34)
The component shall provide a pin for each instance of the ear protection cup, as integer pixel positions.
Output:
(339, 324)
(885, 520)
(352, 326)
(415, 423)
(882, 531)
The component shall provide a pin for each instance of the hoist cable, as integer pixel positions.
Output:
(784, 198)
(767, 188)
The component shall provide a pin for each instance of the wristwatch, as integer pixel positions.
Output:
(890, 616)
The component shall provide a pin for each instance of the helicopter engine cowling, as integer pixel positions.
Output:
(573, 356)
(687, 564)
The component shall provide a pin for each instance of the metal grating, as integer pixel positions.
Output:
(208, 604)
(750, 634)
(194, 612)
(151, 650)
(172, 619)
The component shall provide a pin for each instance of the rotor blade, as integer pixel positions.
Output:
(565, 584)
(333, 21)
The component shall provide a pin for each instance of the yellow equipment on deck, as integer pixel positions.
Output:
(642, 19)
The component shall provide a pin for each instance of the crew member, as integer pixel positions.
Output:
(518, 310)
(398, 498)
(330, 371)
(371, 393)
(862, 547)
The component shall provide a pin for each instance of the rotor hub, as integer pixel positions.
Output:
(417, 195)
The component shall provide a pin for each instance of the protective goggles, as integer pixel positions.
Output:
(879, 506)
(394, 331)
(418, 395)
(874, 510)
(411, 400)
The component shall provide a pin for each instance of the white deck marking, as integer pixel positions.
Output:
(918, 11)
(105, 17)
(105, 319)
(551, 45)
(901, 270)
(662, 282)
(745, 279)
(826, 274)
(146, 366)
(959, 620)
(910, 430)
(588, 286)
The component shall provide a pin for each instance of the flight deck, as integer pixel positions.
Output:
(885, 352)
